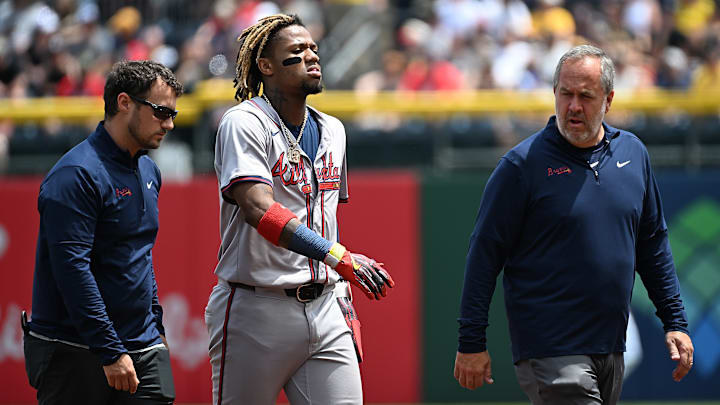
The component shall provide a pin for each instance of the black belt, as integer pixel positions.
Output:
(303, 293)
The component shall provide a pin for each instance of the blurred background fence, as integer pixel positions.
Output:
(443, 130)
(432, 93)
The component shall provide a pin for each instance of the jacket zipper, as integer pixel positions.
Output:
(595, 172)
(142, 191)
(599, 161)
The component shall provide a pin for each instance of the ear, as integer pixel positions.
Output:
(123, 102)
(265, 66)
(609, 101)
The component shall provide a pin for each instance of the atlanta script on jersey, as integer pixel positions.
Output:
(251, 147)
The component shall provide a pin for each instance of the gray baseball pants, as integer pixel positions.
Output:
(572, 380)
(263, 341)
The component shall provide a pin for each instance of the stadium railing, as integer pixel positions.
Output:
(447, 130)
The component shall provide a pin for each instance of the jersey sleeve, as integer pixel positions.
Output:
(69, 209)
(241, 151)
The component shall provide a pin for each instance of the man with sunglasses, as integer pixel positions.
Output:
(96, 334)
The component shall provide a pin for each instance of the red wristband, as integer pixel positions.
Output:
(272, 223)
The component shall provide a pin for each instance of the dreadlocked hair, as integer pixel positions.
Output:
(253, 39)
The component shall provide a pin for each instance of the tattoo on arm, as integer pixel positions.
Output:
(254, 199)
(288, 232)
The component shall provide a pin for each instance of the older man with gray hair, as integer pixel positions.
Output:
(569, 215)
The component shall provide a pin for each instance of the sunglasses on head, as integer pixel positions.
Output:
(160, 112)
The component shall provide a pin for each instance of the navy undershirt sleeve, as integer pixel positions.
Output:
(497, 227)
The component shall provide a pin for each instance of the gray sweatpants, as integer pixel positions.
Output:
(264, 341)
(572, 380)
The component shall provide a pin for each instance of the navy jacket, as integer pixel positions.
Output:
(569, 227)
(94, 283)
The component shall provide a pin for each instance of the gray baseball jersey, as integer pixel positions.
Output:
(261, 339)
(251, 146)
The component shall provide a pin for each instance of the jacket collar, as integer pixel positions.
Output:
(103, 142)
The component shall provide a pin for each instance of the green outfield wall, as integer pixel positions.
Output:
(449, 206)
(692, 210)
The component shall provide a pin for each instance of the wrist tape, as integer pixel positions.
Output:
(273, 222)
(309, 244)
(335, 255)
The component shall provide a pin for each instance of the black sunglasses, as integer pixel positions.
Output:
(160, 112)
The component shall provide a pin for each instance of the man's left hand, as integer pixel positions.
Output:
(473, 370)
(365, 273)
(164, 340)
(681, 350)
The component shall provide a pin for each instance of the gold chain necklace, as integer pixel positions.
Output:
(294, 152)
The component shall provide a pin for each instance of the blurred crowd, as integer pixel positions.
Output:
(515, 44)
(65, 47)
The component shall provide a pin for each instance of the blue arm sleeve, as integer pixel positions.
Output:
(655, 262)
(69, 209)
(497, 226)
(309, 244)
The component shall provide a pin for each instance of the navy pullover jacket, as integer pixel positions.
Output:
(569, 227)
(94, 283)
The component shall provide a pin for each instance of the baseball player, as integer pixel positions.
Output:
(281, 316)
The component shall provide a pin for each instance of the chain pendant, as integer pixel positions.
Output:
(294, 155)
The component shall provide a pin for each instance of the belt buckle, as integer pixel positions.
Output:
(297, 293)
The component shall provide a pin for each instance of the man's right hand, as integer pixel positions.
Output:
(472, 370)
(121, 374)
